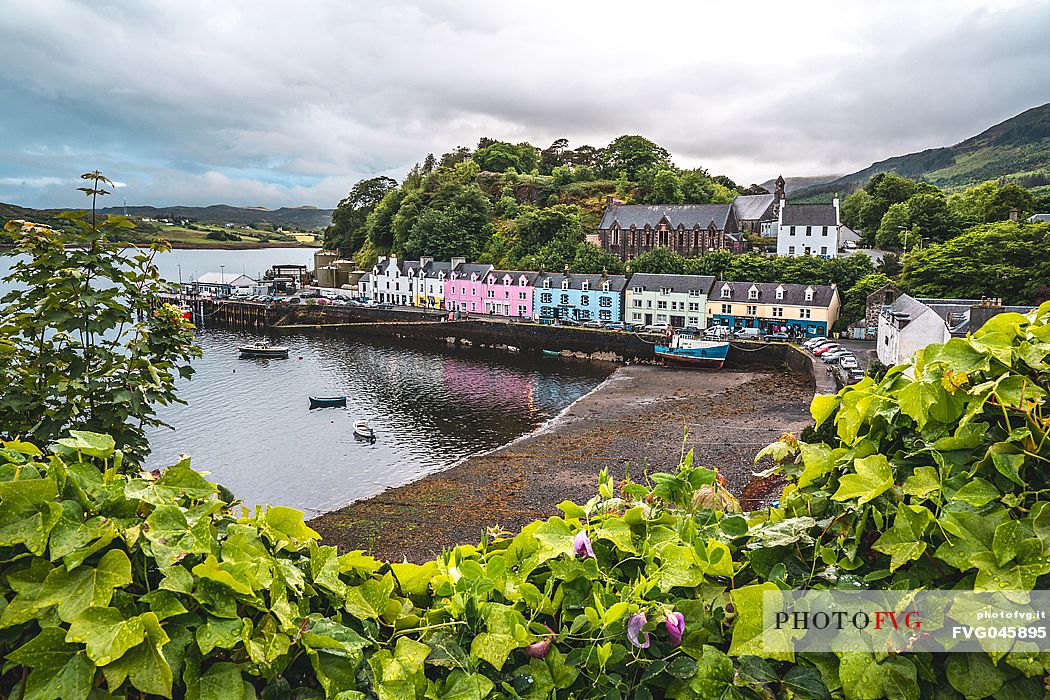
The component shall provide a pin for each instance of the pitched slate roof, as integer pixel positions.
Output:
(679, 284)
(794, 294)
(616, 282)
(382, 265)
(808, 215)
(515, 275)
(435, 267)
(753, 207)
(688, 215)
(464, 270)
(232, 279)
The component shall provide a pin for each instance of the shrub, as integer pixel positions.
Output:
(154, 583)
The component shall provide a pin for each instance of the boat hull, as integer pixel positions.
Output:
(704, 355)
(327, 402)
(249, 352)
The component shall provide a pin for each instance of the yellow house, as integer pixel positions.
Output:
(808, 310)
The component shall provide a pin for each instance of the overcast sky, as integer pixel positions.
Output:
(272, 103)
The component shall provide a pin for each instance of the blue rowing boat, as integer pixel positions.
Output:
(691, 352)
(327, 402)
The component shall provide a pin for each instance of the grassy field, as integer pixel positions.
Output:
(198, 237)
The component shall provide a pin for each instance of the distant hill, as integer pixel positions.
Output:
(1017, 149)
(308, 218)
(793, 184)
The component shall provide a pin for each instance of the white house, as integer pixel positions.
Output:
(222, 283)
(426, 280)
(907, 325)
(808, 229)
(674, 300)
(387, 285)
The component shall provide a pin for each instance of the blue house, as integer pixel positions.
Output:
(578, 297)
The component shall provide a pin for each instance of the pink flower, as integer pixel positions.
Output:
(675, 622)
(634, 626)
(538, 650)
(582, 544)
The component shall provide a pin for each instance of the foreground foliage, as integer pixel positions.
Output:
(156, 584)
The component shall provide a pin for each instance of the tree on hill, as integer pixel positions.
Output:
(539, 226)
(855, 300)
(347, 232)
(500, 156)
(631, 154)
(1006, 259)
(929, 213)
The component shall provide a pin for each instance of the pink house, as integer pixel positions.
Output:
(464, 288)
(508, 293)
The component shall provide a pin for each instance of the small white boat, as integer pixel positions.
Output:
(363, 430)
(263, 349)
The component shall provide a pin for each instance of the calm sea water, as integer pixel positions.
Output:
(248, 422)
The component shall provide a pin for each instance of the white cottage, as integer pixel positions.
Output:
(908, 325)
(808, 229)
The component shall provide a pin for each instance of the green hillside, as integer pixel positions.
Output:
(1017, 149)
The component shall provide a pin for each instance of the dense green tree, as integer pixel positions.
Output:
(855, 300)
(501, 156)
(930, 215)
(893, 222)
(666, 188)
(1010, 196)
(379, 224)
(631, 154)
(1005, 259)
(446, 233)
(845, 271)
(537, 227)
(560, 250)
(714, 263)
(659, 261)
(85, 342)
(750, 267)
(348, 229)
(854, 211)
(592, 259)
(891, 188)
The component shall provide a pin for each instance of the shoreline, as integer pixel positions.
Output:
(635, 419)
(219, 245)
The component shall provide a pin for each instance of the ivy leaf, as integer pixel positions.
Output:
(218, 632)
(171, 537)
(90, 444)
(973, 675)
(28, 512)
(461, 685)
(332, 637)
(923, 482)
(972, 534)
(144, 665)
(1008, 460)
(806, 684)
(904, 542)
(822, 406)
(818, 461)
(874, 475)
(749, 630)
(222, 681)
(85, 587)
(555, 539)
(61, 671)
(106, 633)
(977, 493)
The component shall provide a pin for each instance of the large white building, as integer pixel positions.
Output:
(667, 300)
(908, 325)
(808, 229)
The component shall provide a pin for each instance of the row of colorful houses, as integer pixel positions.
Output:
(641, 299)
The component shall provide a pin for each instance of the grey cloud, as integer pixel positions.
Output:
(274, 104)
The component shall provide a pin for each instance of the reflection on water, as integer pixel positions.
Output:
(248, 421)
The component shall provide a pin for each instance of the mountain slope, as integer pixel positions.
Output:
(296, 217)
(1017, 149)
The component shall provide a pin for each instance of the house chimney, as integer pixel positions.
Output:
(1013, 214)
(566, 268)
(423, 262)
(608, 200)
(458, 261)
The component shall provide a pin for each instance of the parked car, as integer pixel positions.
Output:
(834, 355)
(826, 348)
(688, 330)
(812, 342)
(654, 329)
(848, 362)
(778, 337)
(615, 326)
(294, 300)
(822, 344)
(746, 333)
(568, 322)
(592, 324)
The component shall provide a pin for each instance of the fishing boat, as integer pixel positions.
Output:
(187, 311)
(363, 430)
(692, 352)
(327, 402)
(552, 353)
(263, 349)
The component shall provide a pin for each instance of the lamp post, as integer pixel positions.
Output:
(222, 277)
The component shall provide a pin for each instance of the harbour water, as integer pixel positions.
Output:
(248, 422)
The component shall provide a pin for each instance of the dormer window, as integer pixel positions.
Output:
(565, 284)
(546, 284)
(506, 281)
(780, 293)
(809, 293)
(605, 286)
(727, 291)
(665, 290)
(585, 286)
(752, 293)
(522, 282)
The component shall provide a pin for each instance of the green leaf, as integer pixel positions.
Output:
(172, 538)
(106, 633)
(1008, 460)
(904, 542)
(818, 460)
(90, 444)
(85, 587)
(28, 513)
(461, 685)
(733, 525)
(555, 539)
(284, 527)
(805, 683)
(224, 574)
(61, 671)
(822, 406)
(218, 632)
(977, 493)
(973, 675)
(874, 475)
(618, 532)
(144, 665)
(749, 627)
(923, 482)
(222, 681)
